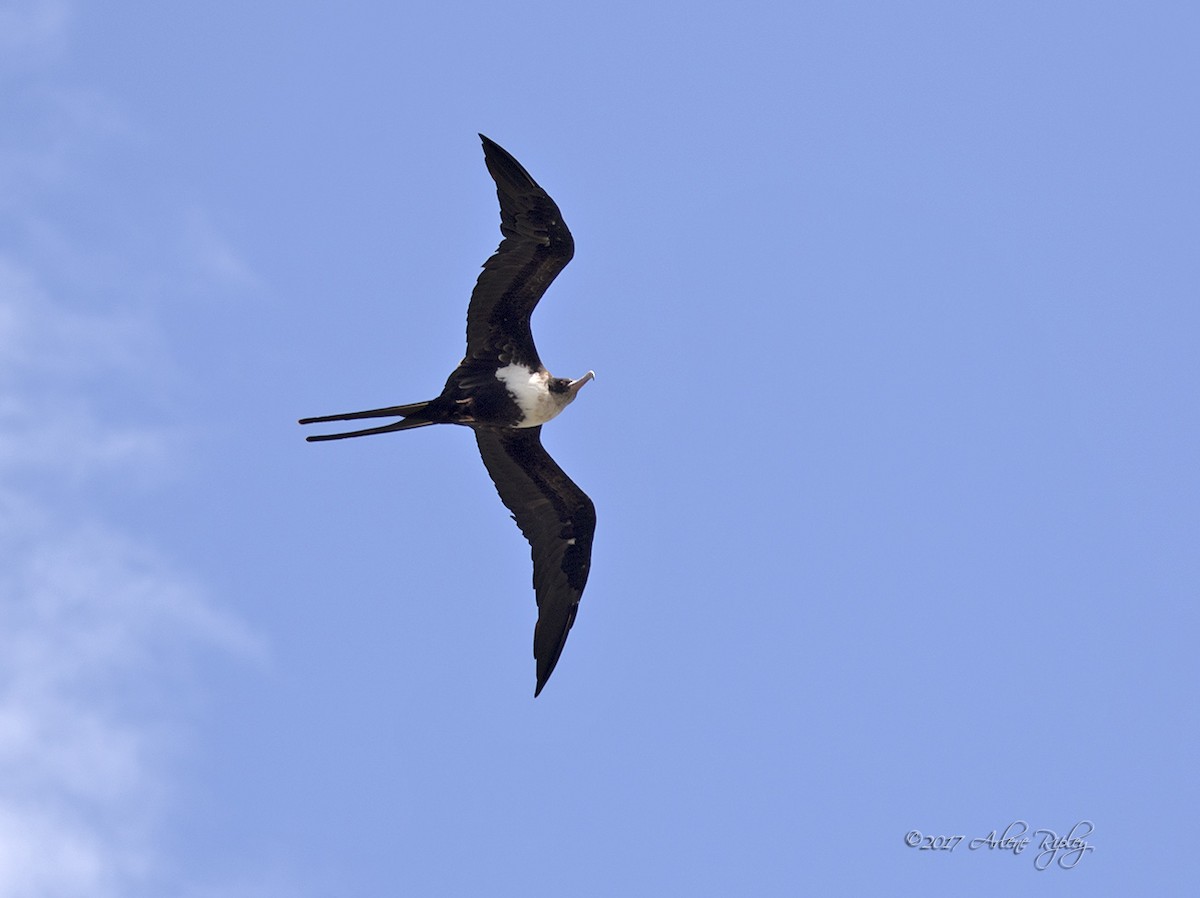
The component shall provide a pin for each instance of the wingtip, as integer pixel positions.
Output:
(543, 674)
(510, 176)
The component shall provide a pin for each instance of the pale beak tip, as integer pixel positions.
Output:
(576, 385)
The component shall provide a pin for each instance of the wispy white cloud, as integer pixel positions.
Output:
(45, 338)
(94, 624)
(93, 628)
(100, 632)
(47, 353)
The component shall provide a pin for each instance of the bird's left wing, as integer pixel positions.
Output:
(557, 518)
(537, 245)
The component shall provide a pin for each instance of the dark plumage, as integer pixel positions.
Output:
(503, 392)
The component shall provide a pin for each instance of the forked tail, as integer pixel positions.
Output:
(412, 416)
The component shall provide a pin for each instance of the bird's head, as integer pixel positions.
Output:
(565, 389)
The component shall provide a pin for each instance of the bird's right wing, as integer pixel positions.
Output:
(557, 518)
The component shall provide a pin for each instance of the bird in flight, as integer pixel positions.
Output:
(503, 392)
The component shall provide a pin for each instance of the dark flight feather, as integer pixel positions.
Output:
(535, 248)
(558, 520)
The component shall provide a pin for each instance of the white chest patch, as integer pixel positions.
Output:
(531, 392)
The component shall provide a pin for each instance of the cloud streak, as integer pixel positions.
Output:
(100, 634)
(96, 629)
(92, 628)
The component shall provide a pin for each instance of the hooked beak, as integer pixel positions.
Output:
(574, 386)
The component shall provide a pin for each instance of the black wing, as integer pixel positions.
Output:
(535, 248)
(559, 521)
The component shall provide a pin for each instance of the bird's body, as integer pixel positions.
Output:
(504, 393)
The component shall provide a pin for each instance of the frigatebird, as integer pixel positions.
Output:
(503, 392)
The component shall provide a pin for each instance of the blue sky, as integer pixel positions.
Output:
(893, 444)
